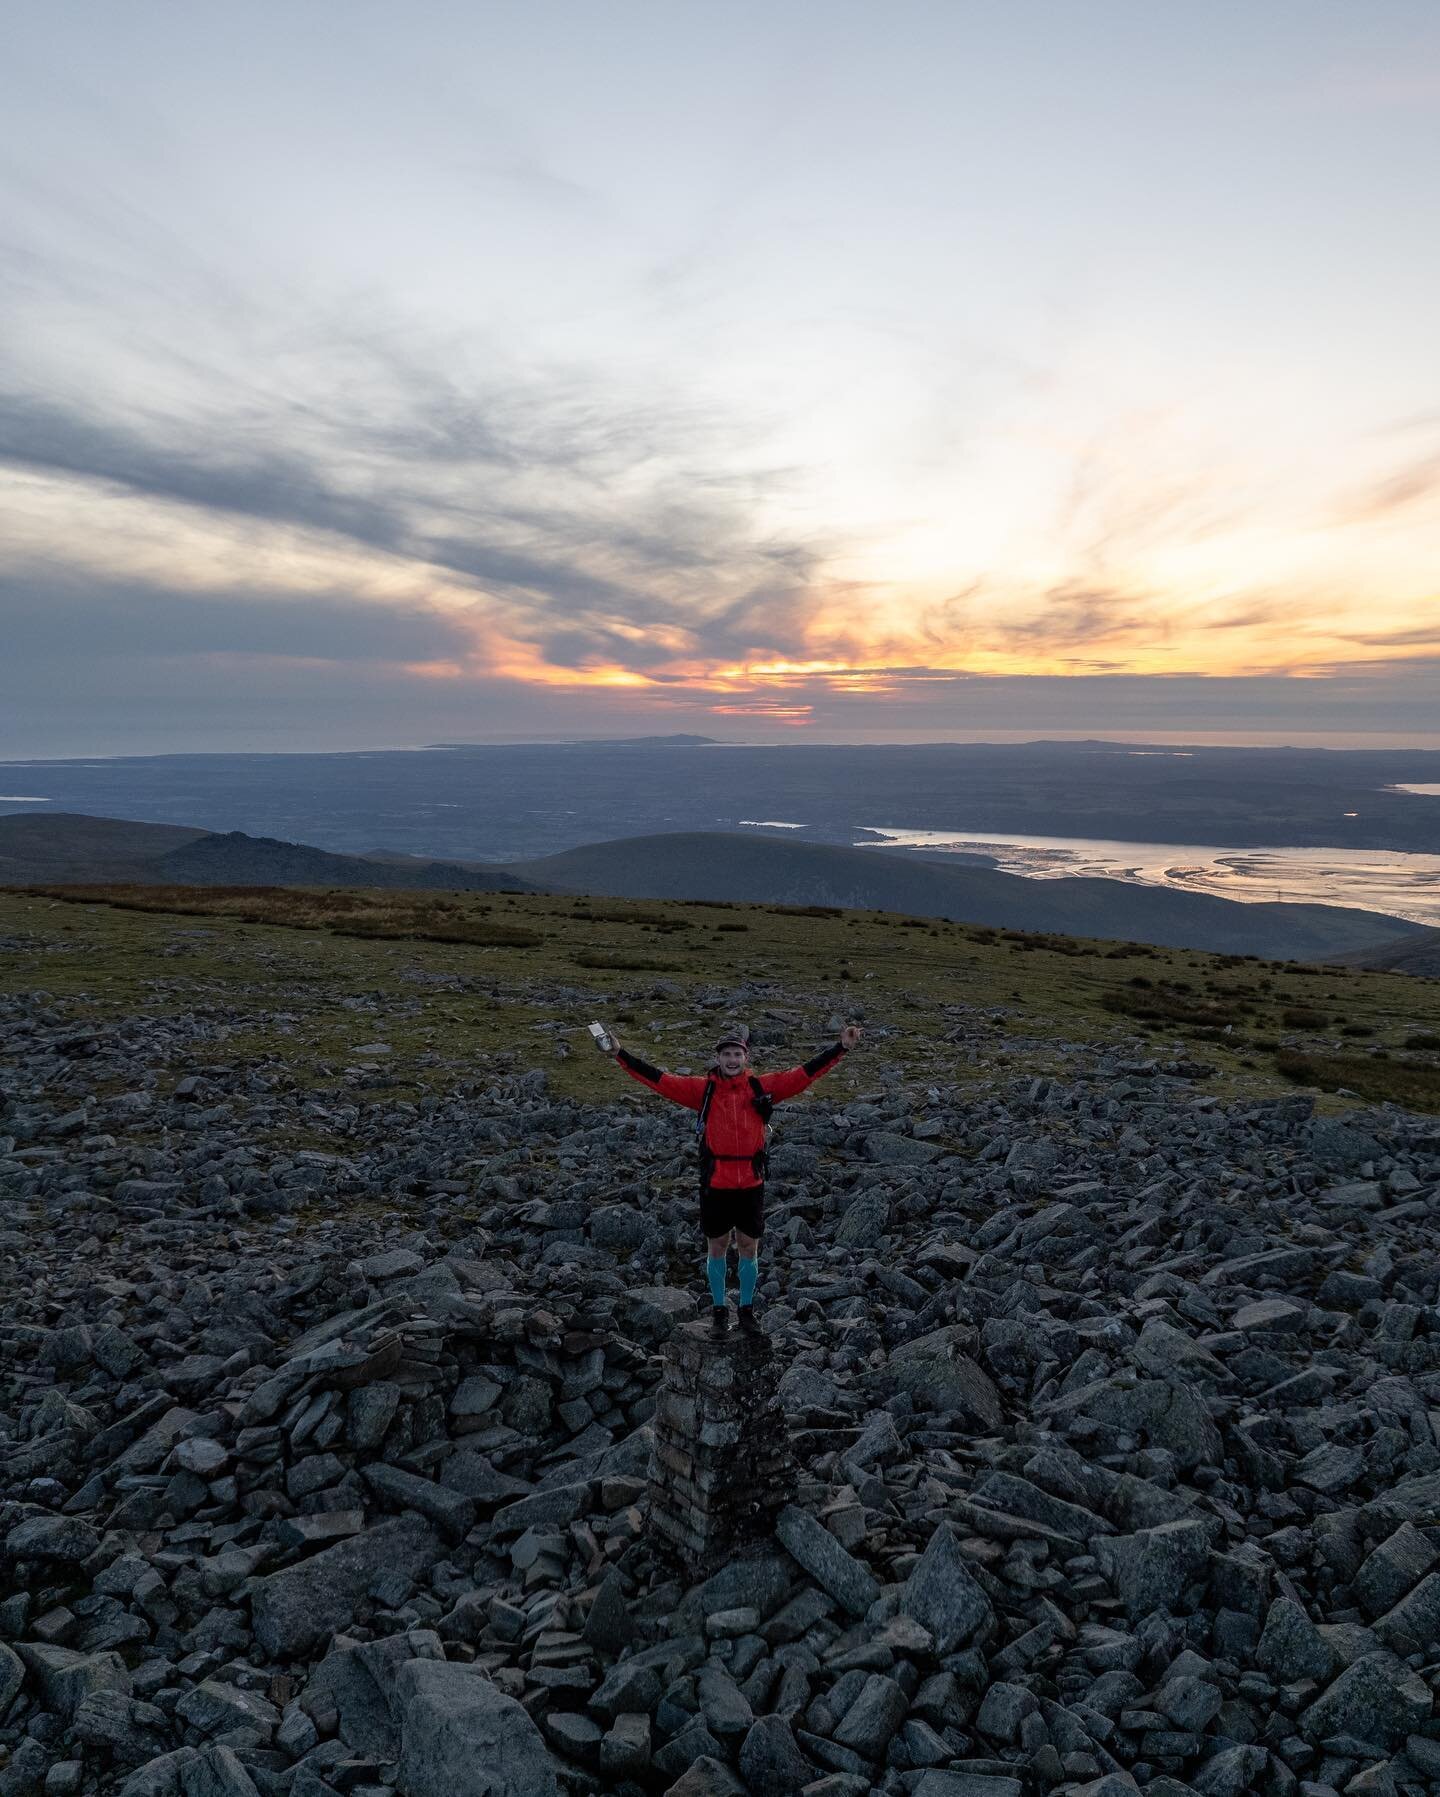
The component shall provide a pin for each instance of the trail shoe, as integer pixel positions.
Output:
(720, 1319)
(748, 1323)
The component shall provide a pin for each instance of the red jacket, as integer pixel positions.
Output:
(734, 1131)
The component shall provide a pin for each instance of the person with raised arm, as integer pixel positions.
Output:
(732, 1104)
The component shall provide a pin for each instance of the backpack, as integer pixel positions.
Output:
(764, 1105)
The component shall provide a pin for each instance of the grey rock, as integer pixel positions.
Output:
(1378, 1699)
(1413, 1625)
(1152, 1569)
(301, 1606)
(619, 1229)
(869, 1723)
(450, 1511)
(370, 1410)
(937, 1372)
(217, 1772)
(201, 1456)
(461, 1737)
(889, 1149)
(1330, 1468)
(1161, 1412)
(771, 1763)
(1270, 1316)
(706, 1777)
(1033, 1154)
(1291, 1647)
(12, 1676)
(129, 1732)
(573, 1735)
(358, 1683)
(631, 1687)
(1331, 1143)
(554, 1508)
(397, 1262)
(1019, 1497)
(161, 1777)
(816, 1549)
(968, 1784)
(1189, 1702)
(864, 1221)
(475, 1396)
(66, 1677)
(625, 1747)
(610, 1624)
(807, 1388)
(1393, 1568)
(60, 1538)
(214, 1707)
(1231, 1772)
(1003, 1711)
(725, 1707)
(23, 1776)
(942, 1595)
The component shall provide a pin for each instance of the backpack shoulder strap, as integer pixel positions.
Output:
(701, 1120)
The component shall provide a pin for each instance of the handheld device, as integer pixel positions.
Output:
(604, 1041)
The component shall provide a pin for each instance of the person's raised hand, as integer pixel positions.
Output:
(850, 1035)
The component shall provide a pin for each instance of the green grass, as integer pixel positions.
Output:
(112, 951)
(1413, 1084)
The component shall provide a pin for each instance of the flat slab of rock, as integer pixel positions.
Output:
(301, 1606)
(812, 1545)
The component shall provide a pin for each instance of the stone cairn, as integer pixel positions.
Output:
(722, 1469)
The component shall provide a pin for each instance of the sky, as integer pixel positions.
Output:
(965, 368)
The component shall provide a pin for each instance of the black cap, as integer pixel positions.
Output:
(732, 1041)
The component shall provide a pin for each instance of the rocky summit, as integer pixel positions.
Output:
(1112, 1411)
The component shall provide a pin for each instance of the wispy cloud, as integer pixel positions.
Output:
(592, 528)
(1408, 485)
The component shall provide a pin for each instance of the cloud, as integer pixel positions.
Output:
(583, 522)
(1065, 615)
(550, 522)
(1423, 637)
(1420, 480)
(190, 466)
(1415, 479)
(53, 621)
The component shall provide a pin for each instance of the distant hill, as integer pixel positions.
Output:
(67, 849)
(762, 869)
(680, 740)
(1405, 954)
(71, 849)
(235, 859)
(59, 846)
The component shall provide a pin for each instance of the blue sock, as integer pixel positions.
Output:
(715, 1273)
(749, 1273)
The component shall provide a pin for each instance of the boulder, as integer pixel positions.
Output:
(461, 1737)
(942, 1595)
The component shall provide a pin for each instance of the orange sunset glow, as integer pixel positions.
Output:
(913, 376)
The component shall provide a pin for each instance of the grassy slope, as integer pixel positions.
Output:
(213, 951)
(1409, 954)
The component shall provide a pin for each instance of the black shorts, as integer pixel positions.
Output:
(722, 1211)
